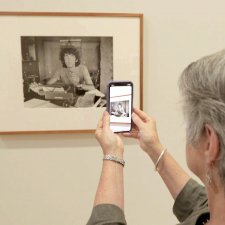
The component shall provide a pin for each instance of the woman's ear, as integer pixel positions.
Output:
(212, 144)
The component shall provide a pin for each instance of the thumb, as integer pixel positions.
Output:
(106, 119)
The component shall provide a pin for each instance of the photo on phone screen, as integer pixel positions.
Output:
(119, 106)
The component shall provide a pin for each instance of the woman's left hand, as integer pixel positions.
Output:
(110, 142)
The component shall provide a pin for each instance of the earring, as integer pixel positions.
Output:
(208, 177)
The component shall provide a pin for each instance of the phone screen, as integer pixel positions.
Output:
(120, 105)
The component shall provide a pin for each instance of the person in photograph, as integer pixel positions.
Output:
(118, 110)
(202, 86)
(72, 72)
(121, 110)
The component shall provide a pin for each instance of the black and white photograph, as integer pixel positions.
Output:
(120, 108)
(56, 68)
(69, 71)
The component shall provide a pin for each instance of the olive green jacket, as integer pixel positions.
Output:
(190, 206)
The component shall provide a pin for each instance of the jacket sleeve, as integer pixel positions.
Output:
(107, 214)
(191, 199)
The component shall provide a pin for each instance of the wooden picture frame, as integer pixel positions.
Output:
(29, 42)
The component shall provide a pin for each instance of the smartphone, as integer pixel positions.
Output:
(120, 105)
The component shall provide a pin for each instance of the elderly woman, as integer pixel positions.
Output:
(202, 86)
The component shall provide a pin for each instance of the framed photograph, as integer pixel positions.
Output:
(55, 68)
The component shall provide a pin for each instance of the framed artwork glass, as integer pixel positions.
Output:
(56, 67)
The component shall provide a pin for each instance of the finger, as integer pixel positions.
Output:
(98, 129)
(132, 134)
(134, 129)
(134, 126)
(137, 121)
(141, 114)
(100, 124)
(105, 120)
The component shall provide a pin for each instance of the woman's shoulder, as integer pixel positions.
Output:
(62, 71)
(82, 67)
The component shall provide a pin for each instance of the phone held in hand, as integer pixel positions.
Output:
(120, 105)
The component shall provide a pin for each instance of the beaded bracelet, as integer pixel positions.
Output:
(114, 159)
(160, 157)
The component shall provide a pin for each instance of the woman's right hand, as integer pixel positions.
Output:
(146, 133)
(110, 142)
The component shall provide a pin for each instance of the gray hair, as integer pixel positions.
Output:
(202, 85)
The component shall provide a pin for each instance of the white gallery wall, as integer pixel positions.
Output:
(51, 179)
